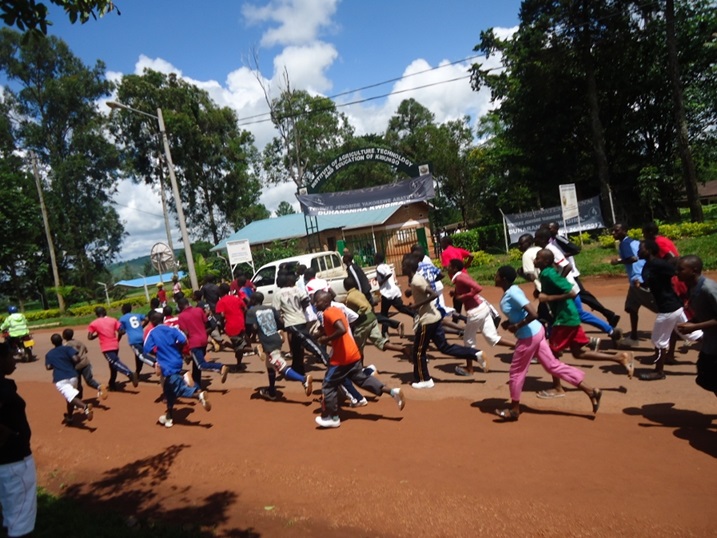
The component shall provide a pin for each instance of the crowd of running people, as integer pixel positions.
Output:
(174, 337)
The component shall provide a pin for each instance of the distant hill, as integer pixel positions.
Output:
(129, 268)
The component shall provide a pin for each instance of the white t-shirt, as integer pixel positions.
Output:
(571, 259)
(529, 265)
(389, 289)
(562, 262)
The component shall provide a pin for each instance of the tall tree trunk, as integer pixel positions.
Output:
(597, 133)
(688, 166)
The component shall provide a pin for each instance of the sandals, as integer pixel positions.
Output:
(508, 415)
(595, 399)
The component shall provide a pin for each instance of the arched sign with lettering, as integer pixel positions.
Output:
(375, 154)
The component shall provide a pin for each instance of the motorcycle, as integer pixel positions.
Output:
(21, 347)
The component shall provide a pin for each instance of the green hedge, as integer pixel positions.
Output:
(671, 231)
(79, 311)
(481, 238)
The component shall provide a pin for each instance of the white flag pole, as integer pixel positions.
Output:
(505, 229)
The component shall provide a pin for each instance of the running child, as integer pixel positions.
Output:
(345, 363)
(83, 364)
(265, 321)
(132, 324)
(165, 343)
(523, 322)
(61, 360)
(567, 333)
(107, 330)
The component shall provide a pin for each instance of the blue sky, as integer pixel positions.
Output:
(327, 46)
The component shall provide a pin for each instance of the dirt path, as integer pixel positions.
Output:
(442, 467)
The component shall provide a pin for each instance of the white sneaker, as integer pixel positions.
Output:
(206, 404)
(480, 359)
(328, 422)
(372, 367)
(363, 402)
(423, 384)
(397, 394)
(166, 422)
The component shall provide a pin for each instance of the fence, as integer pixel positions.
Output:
(394, 244)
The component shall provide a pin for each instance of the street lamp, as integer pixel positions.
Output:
(175, 187)
(107, 295)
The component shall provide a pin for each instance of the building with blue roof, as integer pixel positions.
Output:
(152, 280)
(391, 230)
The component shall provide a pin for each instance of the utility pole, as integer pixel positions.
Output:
(48, 234)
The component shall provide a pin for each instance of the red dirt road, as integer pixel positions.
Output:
(442, 467)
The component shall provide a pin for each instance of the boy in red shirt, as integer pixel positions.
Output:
(231, 308)
(161, 295)
(193, 323)
(107, 330)
(345, 363)
(454, 253)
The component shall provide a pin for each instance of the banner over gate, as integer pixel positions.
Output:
(418, 189)
(590, 219)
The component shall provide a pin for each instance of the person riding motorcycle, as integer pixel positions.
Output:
(16, 326)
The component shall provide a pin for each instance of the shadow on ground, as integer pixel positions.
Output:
(128, 500)
(698, 429)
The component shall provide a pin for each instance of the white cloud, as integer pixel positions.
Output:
(306, 66)
(140, 210)
(272, 196)
(155, 64)
(299, 21)
(445, 91)
(296, 26)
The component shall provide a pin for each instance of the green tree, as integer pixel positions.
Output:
(360, 174)
(32, 15)
(585, 97)
(22, 263)
(54, 95)
(410, 128)
(213, 158)
(450, 145)
(284, 208)
(311, 131)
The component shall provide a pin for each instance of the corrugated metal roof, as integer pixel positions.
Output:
(149, 280)
(292, 226)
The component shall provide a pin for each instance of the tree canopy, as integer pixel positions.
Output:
(585, 98)
(32, 15)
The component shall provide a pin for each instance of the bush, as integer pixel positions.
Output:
(39, 315)
(606, 240)
(515, 256)
(581, 239)
(480, 238)
(482, 259)
(694, 229)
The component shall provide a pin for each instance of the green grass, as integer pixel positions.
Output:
(60, 516)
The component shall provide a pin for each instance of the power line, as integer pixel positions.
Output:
(138, 209)
(267, 115)
(243, 121)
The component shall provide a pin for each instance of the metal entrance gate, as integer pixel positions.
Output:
(394, 244)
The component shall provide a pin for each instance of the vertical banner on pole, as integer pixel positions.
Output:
(569, 201)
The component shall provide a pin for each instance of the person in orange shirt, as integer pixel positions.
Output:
(345, 362)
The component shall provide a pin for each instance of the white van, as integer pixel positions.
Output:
(328, 265)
